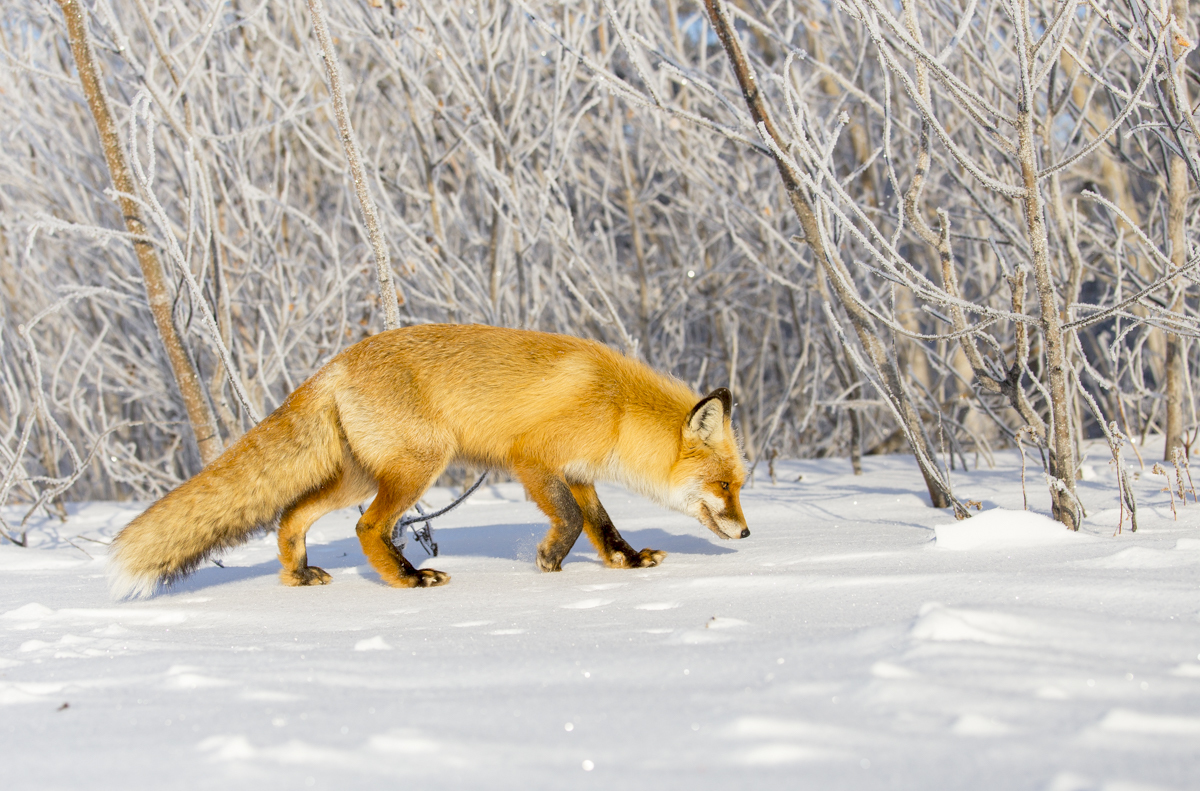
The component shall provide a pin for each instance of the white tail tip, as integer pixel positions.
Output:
(124, 584)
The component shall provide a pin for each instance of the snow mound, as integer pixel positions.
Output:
(376, 643)
(586, 604)
(1126, 721)
(889, 670)
(979, 725)
(1144, 558)
(1000, 528)
(657, 605)
(939, 623)
(777, 742)
(29, 612)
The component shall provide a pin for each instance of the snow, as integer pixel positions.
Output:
(1001, 528)
(857, 639)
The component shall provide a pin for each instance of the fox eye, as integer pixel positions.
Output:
(725, 485)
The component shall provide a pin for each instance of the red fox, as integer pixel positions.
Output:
(387, 415)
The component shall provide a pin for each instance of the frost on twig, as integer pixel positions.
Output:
(1034, 437)
(1158, 469)
(1183, 468)
(1116, 441)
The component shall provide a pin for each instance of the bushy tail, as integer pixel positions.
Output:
(297, 448)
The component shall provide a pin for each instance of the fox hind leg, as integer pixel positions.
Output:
(351, 485)
(404, 483)
(614, 550)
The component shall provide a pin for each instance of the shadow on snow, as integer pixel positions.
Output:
(503, 542)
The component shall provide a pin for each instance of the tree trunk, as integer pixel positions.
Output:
(1062, 459)
(834, 268)
(1177, 196)
(389, 295)
(187, 378)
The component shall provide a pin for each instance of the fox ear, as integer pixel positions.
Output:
(707, 419)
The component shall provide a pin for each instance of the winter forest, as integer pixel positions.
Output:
(938, 228)
(944, 253)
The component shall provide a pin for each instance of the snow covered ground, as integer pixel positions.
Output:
(858, 639)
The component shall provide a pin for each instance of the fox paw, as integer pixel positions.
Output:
(305, 575)
(547, 564)
(648, 558)
(424, 578)
(645, 559)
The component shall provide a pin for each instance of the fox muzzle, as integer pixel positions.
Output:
(721, 523)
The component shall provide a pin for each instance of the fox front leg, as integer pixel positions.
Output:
(614, 550)
(553, 497)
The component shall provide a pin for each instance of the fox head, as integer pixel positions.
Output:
(708, 474)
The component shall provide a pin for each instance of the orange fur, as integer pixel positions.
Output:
(390, 413)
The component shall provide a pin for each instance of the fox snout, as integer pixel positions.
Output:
(745, 533)
(725, 524)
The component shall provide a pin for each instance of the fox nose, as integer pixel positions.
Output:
(745, 532)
